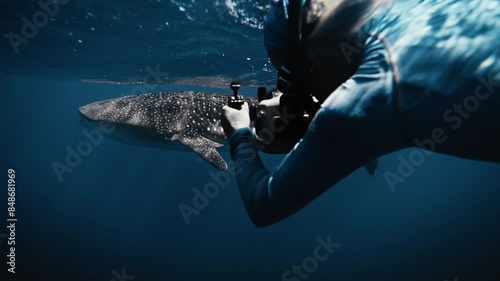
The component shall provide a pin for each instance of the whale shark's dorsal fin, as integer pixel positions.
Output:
(203, 146)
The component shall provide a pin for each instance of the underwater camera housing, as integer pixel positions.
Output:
(297, 106)
(283, 121)
(280, 121)
(287, 123)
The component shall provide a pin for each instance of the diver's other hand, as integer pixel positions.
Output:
(234, 119)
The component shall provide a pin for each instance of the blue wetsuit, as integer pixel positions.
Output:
(429, 76)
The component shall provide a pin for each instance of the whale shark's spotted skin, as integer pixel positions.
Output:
(192, 118)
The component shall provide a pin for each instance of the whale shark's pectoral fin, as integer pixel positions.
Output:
(203, 146)
(371, 167)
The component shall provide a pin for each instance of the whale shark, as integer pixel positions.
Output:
(189, 117)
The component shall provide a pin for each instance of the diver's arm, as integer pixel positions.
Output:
(316, 163)
(357, 123)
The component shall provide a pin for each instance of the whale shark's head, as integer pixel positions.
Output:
(148, 113)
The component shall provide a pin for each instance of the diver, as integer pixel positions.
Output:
(389, 75)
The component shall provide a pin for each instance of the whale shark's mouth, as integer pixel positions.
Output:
(85, 111)
(98, 111)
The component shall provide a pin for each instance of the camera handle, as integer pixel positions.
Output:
(235, 101)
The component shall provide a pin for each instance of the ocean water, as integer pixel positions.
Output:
(116, 215)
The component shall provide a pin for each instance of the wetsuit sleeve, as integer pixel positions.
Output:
(314, 165)
(355, 125)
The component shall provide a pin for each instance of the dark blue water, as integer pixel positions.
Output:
(193, 42)
(119, 207)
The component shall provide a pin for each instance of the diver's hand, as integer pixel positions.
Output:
(234, 119)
